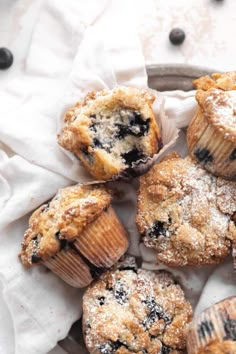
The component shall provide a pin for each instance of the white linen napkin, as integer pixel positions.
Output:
(65, 60)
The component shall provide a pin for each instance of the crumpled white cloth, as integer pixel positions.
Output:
(65, 60)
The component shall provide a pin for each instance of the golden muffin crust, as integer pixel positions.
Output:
(62, 219)
(130, 310)
(184, 213)
(110, 130)
(219, 109)
(224, 81)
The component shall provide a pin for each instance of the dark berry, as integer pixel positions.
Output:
(6, 58)
(120, 293)
(135, 127)
(205, 329)
(62, 241)
(233, 155)
(84, 150)
(133, 156)
(177, 36)
(155, 312)
(203, 155)
(159, 228)
(110, 347)
(165, 349)
(230, 329)
(101, 300)
(45, 208)
(35, 258)
(97, 143)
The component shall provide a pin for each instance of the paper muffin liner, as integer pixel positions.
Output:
(209, 147)
(214, 330)
(70, 267)
(103, 241)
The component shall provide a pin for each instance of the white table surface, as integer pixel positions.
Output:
(209, 26)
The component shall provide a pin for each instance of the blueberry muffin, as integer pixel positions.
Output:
(211, 134)
(77, 235)
(130, 310)
(112, 132)
(214, 330)
(185, 213)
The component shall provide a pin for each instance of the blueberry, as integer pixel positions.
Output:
(6, 58)
(165, 349)
(233, 155)
(84, 150)
(205, 329)
(136, 126)
(62, 241)
(177, 36)
(97, 143)
(203, 155)
(101, 300)
(159, 228)
(230, 329)
(35, 258)
(110, 347)
(120, 293)
(45, 208)
(156, 312)
(133, 156)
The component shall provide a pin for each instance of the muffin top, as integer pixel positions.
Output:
(219, 108)
(224, 81)
(130, 310)
(111, 129)
(185, 213)
(62, 220)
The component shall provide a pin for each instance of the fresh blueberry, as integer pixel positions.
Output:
(177, 36)
(6, 58)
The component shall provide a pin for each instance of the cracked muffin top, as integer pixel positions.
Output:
(224, 81)
(62, 220)
(110, 131)
(132, 310)
(185, 213)
(219, 108)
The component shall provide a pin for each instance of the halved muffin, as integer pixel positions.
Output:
(112, 132)
(77, 235)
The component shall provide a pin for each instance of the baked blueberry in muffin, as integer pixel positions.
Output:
(77, 235)
(211, 134)
(185, 213)
(112, 132)
(135, 311)
(214, 330)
